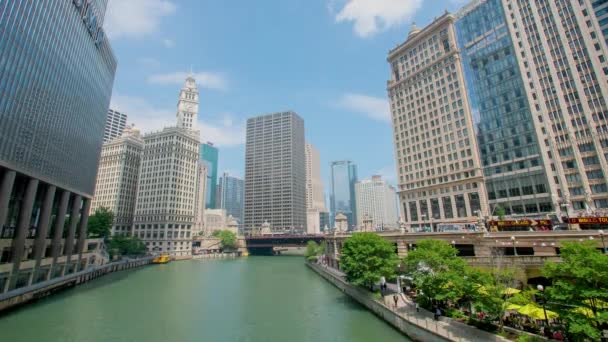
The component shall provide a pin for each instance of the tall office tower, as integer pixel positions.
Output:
(377, 200)
(187, 105)
(209, 155)
(52, 116)
(231, 196)
(116, 186)
(314, 184)
(315, 203)
(275, 172)
(115, 125)
(440, 177)
(600, 8)
(168, 204)
(537, 78)
(201, 191)
(342, 196)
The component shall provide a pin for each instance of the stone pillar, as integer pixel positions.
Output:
(6, 188)
(59, 222)
(467, 205)
(402, 248)
(82, 229)
(43, 228)
(25, 216)
(441, 211)
(69, 240)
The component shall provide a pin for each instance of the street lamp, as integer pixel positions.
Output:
(542, 290)
(514, 243)
(603, 243)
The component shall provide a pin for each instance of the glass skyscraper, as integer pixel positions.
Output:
(56, 75)
(509, 148)
(342, 196)
(231, 196)
(209, 155)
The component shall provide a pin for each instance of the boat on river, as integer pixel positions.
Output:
(162, 259)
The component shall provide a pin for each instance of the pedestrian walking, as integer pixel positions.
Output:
(417, 308)
(396, 299)
(437, 314)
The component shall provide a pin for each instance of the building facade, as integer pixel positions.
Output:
(377, 201)
(438, 164)
(168, 194)
(116, 187)
(52, 117)
(201, 191)
(115, 125)
(600, 9)
(536, 72)
(342, 195)
(187, 105)
(231, 196)
(275, 172)
(209, 156)
(314, 183)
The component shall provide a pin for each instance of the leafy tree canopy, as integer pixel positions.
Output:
(100, 223)
(123, 245)
(227, 238)
(365, 257)
(579, 291)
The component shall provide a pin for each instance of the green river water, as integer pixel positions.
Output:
(247, 299)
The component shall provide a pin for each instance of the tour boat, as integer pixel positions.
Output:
(162, 259)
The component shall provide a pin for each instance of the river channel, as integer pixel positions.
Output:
(247, 299)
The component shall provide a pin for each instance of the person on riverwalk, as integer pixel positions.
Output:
(396, 299)
(437, 314)
(417, 307)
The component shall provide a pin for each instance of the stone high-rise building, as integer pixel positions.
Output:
(115, 125)
(116, 187)
(275, 172)
(438, 164)
(377, 201)
(56, 75)
(168, 210)
(537, 72)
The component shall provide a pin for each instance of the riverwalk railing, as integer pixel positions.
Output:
(512, 260)
(74, 277)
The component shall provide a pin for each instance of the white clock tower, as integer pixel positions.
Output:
(187, 106)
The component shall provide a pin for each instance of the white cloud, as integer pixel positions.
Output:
(168, 43)
(135, 18)
(373, 107)
(148, 118)
(148, 62)
(209, 80)
(373, 16)
(224, 133)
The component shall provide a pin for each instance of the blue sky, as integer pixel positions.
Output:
(324, 59)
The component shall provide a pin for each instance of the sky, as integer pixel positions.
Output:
(323, 59)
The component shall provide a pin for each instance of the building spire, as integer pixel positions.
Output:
(187, 105)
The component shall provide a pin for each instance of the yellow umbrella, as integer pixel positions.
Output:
(536, 312)
(510, 291)
(482, 290)
(513, 307)
(584, 311)
(600, 303)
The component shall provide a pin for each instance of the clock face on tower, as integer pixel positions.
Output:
(189, 107)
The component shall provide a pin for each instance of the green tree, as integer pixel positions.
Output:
(227, 238)
(579, 291)
(123, 245)
(500, 212)
(439, 273)
(365, 257)
(312, 250)
(100, 223)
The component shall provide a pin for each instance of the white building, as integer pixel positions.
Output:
(201, 190)
(214, 219)
(166, 211)
(315, 203)
(376, 199)
(117, 175)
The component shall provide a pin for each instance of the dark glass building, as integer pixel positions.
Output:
(507, 139)
(56, 74)
(231, 196)
(209, 155)
(342, 196)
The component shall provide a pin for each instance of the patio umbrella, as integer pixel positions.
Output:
(510, 291)
(513, 307)
(584, 311)
(536, 312)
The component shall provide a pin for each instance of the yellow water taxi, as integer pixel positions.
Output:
(161, 259)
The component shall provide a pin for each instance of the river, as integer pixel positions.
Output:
(247, 299)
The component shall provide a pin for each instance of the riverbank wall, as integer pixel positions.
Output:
(415, 326)
(13, 299)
